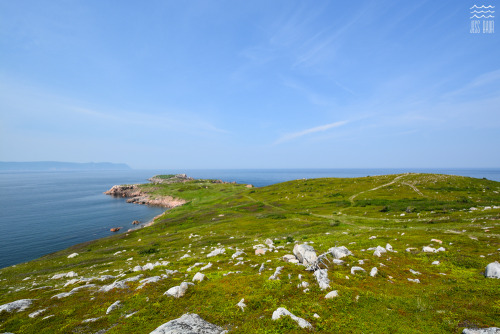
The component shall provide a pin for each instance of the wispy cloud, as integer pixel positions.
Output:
(298, 134)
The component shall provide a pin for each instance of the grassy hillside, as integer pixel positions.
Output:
(406, 211)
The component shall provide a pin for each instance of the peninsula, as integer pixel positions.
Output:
(407, 253)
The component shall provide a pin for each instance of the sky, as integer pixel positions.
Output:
(249, 84)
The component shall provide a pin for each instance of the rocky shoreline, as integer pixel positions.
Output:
(135, 195)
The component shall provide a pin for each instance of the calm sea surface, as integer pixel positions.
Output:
(43, 212)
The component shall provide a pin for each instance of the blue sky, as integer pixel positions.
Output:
(249, 84)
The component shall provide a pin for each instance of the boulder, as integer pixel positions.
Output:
(136, 222)
(216, 252)
(289, 258)
(373, 272)
(189, 323)
(178, 291)
(114, 306)
(18, 305)
(238, 253)
(115, 229)
(389, 247)
(148, 280)
(492, 270)
(269, 242)
(340, 252)
(322, 278)
(354, 269)
(198, 277)
(428, 249)
(332, 294)
(72, 255)
(305, 254)
(490, 330)
(260, 251)
(282, 312)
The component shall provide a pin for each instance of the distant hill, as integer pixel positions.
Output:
(60, 166)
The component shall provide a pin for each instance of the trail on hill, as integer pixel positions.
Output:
(351, 199)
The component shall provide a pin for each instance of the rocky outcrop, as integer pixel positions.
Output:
(136, 195)
(283, 312)
(18, 305)
(189, 323)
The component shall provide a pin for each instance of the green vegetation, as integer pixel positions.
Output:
(406, 211)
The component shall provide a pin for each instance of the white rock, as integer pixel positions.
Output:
(114, 306)
(178, 291)
(72, 255)
(235, 255)
(137, 268)
(377, 253)
(316, 316)
(242, 305)
(262, 268)
(338, 262)
(428, 249)
(381, 249)
(184, 256)
(388, 247)
(36, 313)
(276, 273)
(340, 252)
(416, 280)
(489, 330)
(414, 272)
(148, 280)
(354, 269)
(492, 270)
(305, 254)
(216, 252)
(68, 275)
(91, 320)
(66, 294)
(372, 237)
(269, 242)
(289, 258)
(373, 272)
(19, 305)
(322, 278)
(440, 249)
(281, 312)
(198, 277)
(206, 267)
(188, 323)
(114, 285)
(435, 263)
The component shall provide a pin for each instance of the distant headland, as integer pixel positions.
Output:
(61, 166)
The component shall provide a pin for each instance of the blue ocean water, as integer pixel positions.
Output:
(43, 212)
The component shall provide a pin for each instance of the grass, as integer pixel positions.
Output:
(406, 210)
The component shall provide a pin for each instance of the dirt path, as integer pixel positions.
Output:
(351, 199)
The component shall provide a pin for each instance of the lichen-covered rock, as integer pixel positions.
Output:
(354, 269)
(216, 252)
(322, 278)
(373, 272)
(490, 330)
(275, 276)
(198, 277)
(332, 294)
(340, 252)
(283, 312)
(19, 305)
(305, 254)
(114, 306)
(492, 270)
(189, 323)
(178, 291)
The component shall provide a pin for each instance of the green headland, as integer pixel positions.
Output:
(436, 235)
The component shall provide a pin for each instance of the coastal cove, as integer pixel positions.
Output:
(43, 212)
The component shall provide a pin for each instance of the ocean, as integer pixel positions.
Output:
(43, 212)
